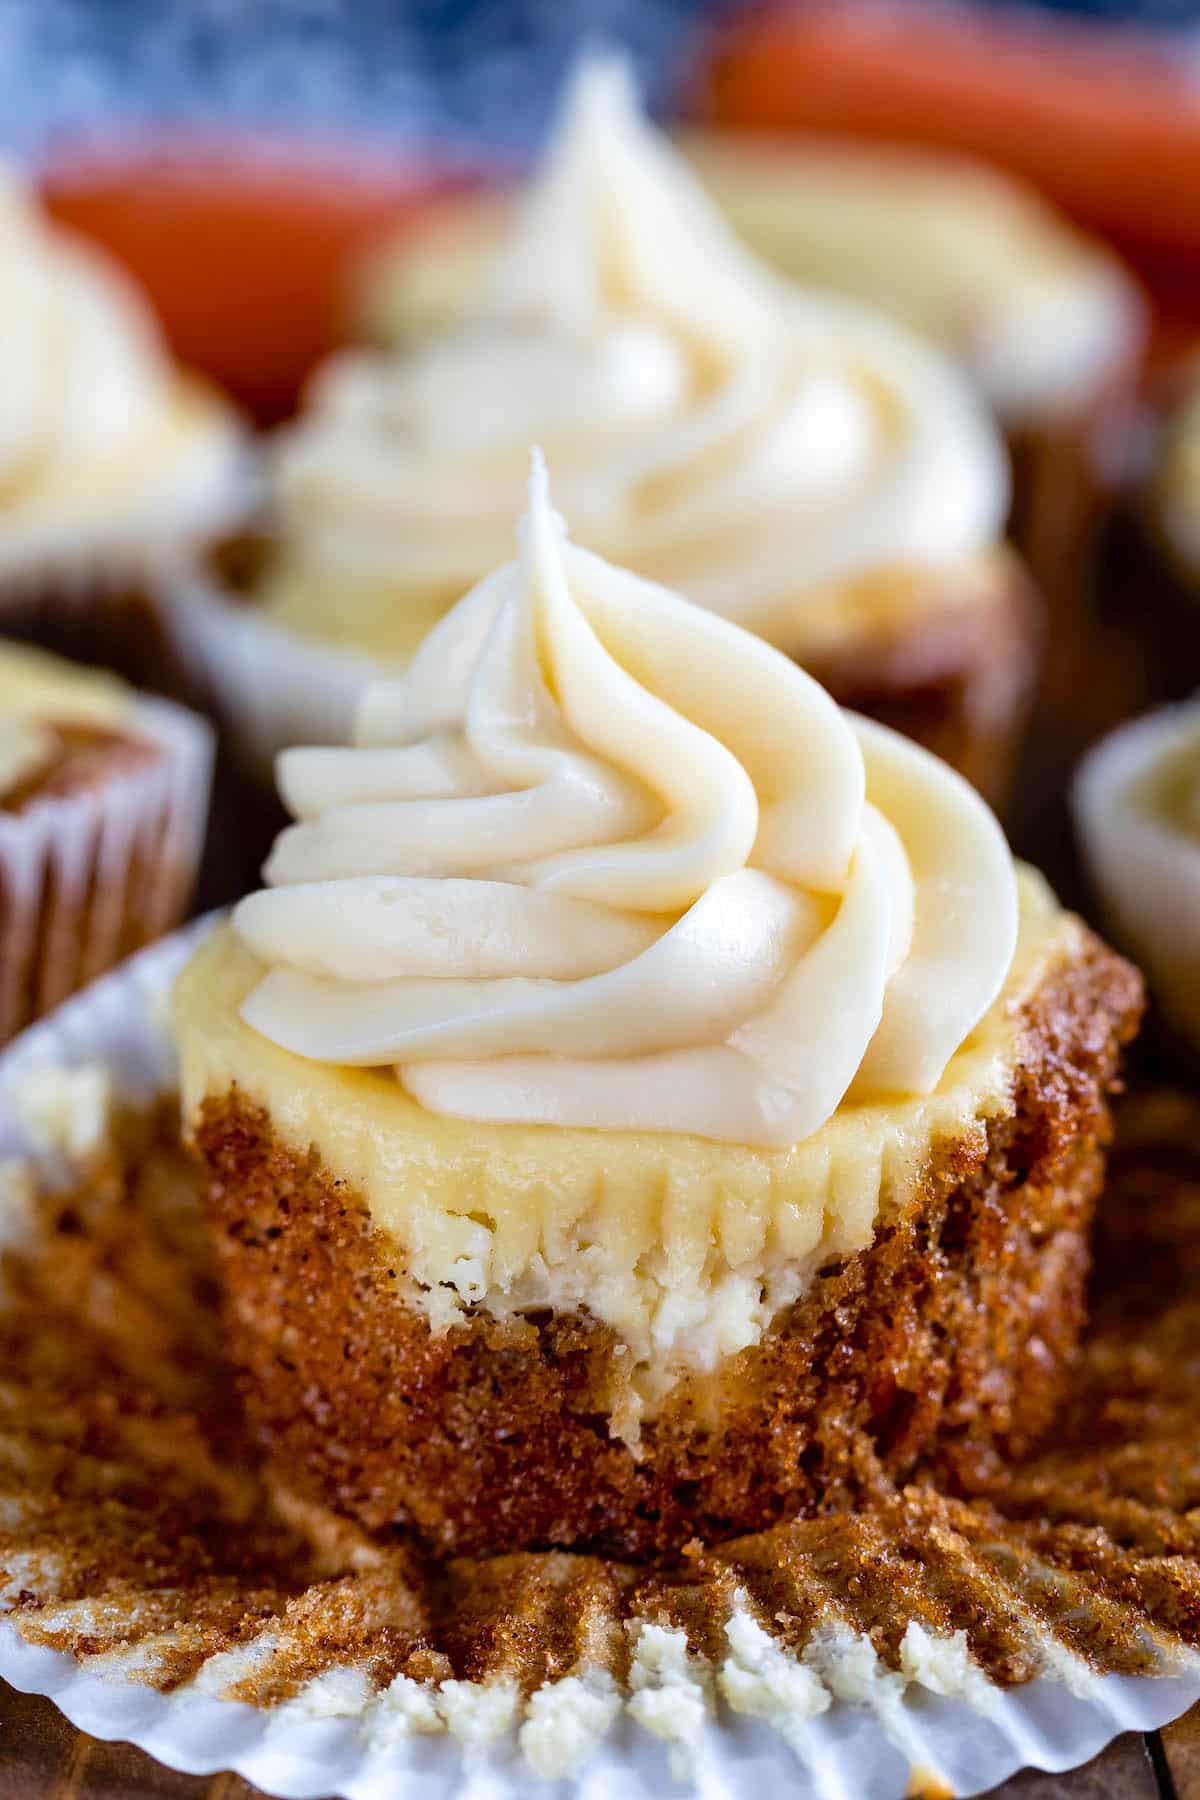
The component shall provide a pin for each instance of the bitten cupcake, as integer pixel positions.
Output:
(646, 1101)
(103, 803)
(789, 461)
(110, 460)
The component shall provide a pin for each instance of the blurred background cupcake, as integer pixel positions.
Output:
(112, 462)
(103, 804)
(1046, 321)
(784, 456)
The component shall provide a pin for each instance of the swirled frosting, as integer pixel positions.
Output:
(97, 432)
(709, 427)
(601, 860)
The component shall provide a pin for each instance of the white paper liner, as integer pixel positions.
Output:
(339, 1737)
(87, 877)
(269, 687)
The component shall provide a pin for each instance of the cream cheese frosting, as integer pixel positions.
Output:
(1037, 313)
(98, 435)
(1137, 809)
(601, 860)
(709, 426)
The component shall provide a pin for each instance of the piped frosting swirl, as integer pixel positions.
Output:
(601, 859)
(709, 426)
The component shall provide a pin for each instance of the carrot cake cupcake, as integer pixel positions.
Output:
(788, 460)
(103, 802)
(1174, 496)
(1046, 322)
(1137, 812)
(646, 1101)
(110, 459)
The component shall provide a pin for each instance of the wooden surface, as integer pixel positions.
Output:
(43, 1758)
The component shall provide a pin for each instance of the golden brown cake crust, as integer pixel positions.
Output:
(945, 1345)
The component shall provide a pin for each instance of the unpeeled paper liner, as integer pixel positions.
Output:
(89, 876)
(158, 1595)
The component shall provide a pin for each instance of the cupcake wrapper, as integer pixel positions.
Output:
(338, 1734)
(88, 878)
(100, 601)
(1065, 472)
(268, 687)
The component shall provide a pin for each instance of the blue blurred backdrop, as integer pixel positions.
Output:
(481, 73)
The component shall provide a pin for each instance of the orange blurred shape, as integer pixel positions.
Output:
(1104, 121)
(244, 249)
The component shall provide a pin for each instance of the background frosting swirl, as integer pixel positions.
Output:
(708, 425)
(94, 414)
(600, 859)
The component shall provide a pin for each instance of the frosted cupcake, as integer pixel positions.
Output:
(1046, 322)
(1137, 811)
(1174, 488)
(111, 462)
(647, 1101)
(103, 803)
(788, 461)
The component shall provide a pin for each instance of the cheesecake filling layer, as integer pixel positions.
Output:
(752, 445)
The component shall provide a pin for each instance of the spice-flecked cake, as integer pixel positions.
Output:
(786, 458)
(646, 1101)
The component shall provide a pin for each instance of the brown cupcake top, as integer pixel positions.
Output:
(62, 728)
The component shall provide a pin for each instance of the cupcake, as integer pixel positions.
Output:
(111, 462)
(1137, 815)
(1175, 488)
(103, 802)
(647, 1101)
(1045, 321)
(788, 460)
